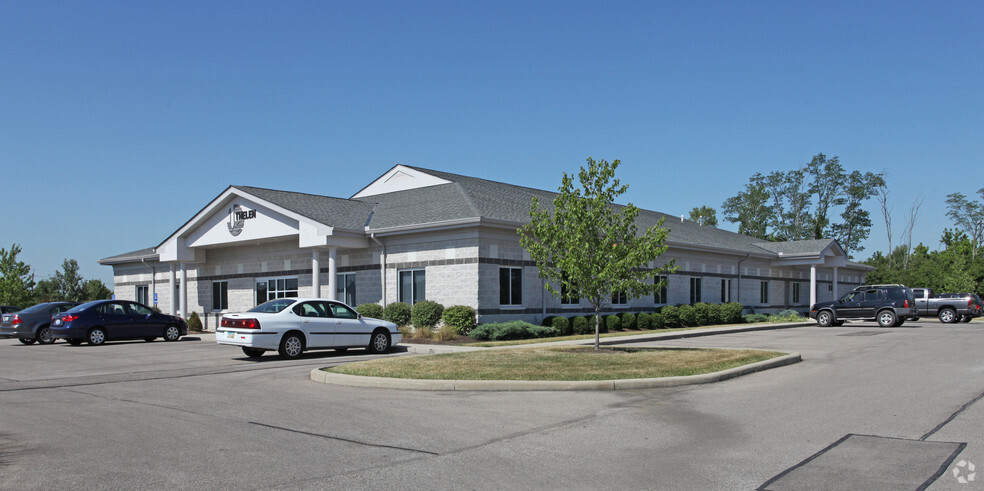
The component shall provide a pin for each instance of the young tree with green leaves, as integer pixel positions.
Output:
(95, 290)
(68, 282)
(968, 216)
(16, 280)
(750, 208)
(589, 245)
(704, 215)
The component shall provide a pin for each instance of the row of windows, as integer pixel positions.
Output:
(412, 289)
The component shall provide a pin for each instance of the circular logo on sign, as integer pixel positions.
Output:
(236, 221)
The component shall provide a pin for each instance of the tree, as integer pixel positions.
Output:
(704, 215)
(857, 221)
(750, 208)
(95, 290)
(16, 280)
(68, 282)
(790, 204)
(591, 246)
(967, 216)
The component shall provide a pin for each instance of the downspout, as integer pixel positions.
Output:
(382, 265)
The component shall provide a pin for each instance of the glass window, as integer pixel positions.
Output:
(764, 292)
(141, 295)
(139, 309)
(412, 286)
(345, 288)
(660, 296)
(273, 306)
(342, 311)
(273, 288)
(619, 298)
(220, 295)
(796, 293)
(694, 290)
(510, 286)
(725, 290)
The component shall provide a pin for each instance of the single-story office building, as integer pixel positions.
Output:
(415, 234)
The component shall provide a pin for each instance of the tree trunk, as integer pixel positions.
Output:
(597, 327)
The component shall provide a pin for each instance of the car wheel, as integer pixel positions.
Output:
(253, 352)
(380, 341)
(44, 336)
(948, 316)
(966, 318)
(291, 346)
(172, 333)
(27, 340)
(825, 318)
(75, 341)
(96, 336)
(886, 318)
(149, 340)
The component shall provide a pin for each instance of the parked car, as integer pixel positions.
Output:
(6, 309)
(947, 307)
(105, 320)
(292, 325)
(889, 305)
(32, 324)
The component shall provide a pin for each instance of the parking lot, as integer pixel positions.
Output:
(875, 405)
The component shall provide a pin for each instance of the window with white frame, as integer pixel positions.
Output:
(660, 294)
(220, 295)
(141, 294)
(695, 290)
(510, 286)
(345, 288)
(412, 286)
(620, 298)
(273, 288)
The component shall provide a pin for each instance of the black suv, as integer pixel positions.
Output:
(890, 305)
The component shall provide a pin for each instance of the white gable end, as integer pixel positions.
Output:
(400, 178)
(242, 220)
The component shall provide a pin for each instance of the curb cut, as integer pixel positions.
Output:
(321, 376)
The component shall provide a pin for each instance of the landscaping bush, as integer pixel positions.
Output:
(688, 316)
(671, 315)
(612, 323)
(426, 313)
(373, 310)
(628, 321)
(731, 313)
(548, 320)
(194, 322)
(398, 313)
(406, 331)
(702, 314)
(644, 321)
(659, 322)
(786, 316)
(501, 331)
(423, 332)
(446, 333)
(582, 325)
(461, 318)
(561, 325)
(755, 318)
(714, 314)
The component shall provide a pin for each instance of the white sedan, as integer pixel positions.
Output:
(292, 325)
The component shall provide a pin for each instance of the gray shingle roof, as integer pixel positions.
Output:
(337, 212)
(130, 257)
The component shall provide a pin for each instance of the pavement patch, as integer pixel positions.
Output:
(870, 462)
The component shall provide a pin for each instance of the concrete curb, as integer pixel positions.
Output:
(321, 376)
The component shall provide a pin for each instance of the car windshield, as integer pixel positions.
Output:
(274, 306)
(35, 308)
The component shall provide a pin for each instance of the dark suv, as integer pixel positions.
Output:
(889, 305)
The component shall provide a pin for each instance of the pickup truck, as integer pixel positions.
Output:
(948, 307)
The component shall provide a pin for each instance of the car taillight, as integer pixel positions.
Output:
(16, 320)
(69, 318)
(240, 323)
(906, 304)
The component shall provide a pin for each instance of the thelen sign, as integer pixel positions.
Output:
(237, 218)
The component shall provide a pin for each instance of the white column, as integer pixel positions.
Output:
(813, 284)
(836, 295)
(170, 296)
(183, 270)
(332, 273)
(316, 273)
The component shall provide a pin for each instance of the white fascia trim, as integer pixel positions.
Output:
(445, 225)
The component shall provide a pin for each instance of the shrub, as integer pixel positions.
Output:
(501, 331)
(582, 325)
(398, 313)
(714, 314)
(547, 321)
(612, 323)
(671, 315)
(786, 316)
(461, 318)
(687, 315)
(659, 322)
(628, 321)
(644, 321)
(423, 332)
(426, 313)
(702, 313)
(731, 313)
(561, 325)
(373, 310)
(446, 333)
(194, 322)
(406, 331)
(755, 318)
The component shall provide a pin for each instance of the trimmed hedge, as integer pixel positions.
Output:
(502, 331)
(561, 325)
(702, 313)
(671, 315)
(194, 322)
(426, 313)
(398, 313)
(731, 313)
(659, 322)
(373, 310)
(688, 317)
(461, 318)
(628, 321)
(582, 325)
(611, 323)
(644, 321)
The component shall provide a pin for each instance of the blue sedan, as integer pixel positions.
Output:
(103, 320)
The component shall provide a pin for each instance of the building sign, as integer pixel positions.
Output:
(237, 218)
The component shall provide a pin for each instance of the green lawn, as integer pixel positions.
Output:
(565, 363)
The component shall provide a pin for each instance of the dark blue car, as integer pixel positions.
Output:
(104, 320)
(32, 324)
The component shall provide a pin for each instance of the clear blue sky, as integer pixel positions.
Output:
(120, 120)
